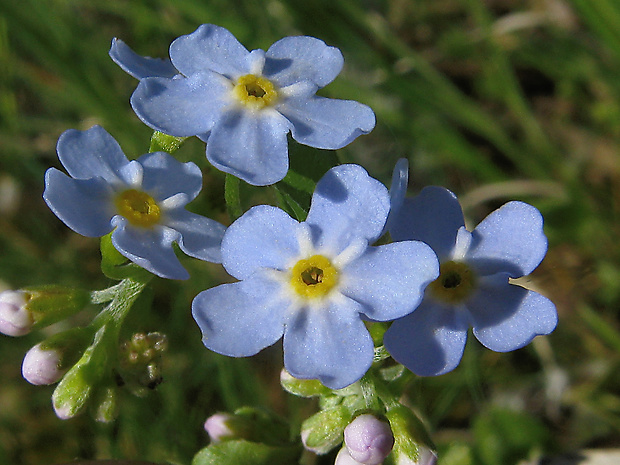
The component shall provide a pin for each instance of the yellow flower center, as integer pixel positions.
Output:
(314, 277)
(138, 207)
(255, 91)
(455, 283)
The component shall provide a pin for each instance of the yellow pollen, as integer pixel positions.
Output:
(255, 91)
(455, 283)
(313, 277)
(138, 207)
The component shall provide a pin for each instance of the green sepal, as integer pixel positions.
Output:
(51, 304)
(75, 388)
(105, 403)
(161, 142)
(410, 434)
(303, 387)
(240, 451)
(324, 430)
(116, 266)
(69, 345)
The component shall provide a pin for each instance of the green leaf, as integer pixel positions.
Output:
(323, 430)
(410, 435)
(232, 196)
(303, 387)
(238, 452)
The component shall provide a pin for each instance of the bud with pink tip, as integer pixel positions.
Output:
(41, 366)
(218, 426)
(368, 439)
(15, 318)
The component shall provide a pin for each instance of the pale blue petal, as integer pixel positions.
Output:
(201, 237)
(327, 123)
(150, 248)
(329, 343)
(91, 153)
(430, 341)
(389, 280)
(138, 66)
(507, 317)
(242, 318)
(264, 237)
(510, 239)
(250, 145)
(210, 48)
(181, 107)
(301, 58)
(347, 205)
(165, 176)
(82, 204)
(398, 189)
(434, 216)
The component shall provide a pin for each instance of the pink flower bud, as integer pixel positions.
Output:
(368, 439)
(343, 458)
(42, 366)
(15, 318)
(218, 427)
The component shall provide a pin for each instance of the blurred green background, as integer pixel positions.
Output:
(494, 99)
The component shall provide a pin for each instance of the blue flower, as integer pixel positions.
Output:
(141, 200)
(315, 282)
(473, 288)
(244, 103)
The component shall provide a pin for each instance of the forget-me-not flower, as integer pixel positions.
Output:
(141, 200)
(473, 287)
(315, 282)
(243, 104)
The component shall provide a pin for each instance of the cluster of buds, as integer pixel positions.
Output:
(140, 361)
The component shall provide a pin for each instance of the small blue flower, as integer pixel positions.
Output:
(473, 288)
(141, 200)
(244, 103)
(315, 282)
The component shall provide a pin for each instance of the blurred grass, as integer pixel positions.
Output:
(495, 99)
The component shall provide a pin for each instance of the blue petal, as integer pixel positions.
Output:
(82, 204)
(165, 176)
(301, 58)
(264, 237)
(91, 153)
(389, 280)
(434, 217)
(250, 145)
(201, 237)
(149, 248)
(507, 317)
(510, 239)
(241, 318)
(430, 341)
(139, 66)
(210, 48)
(181, 107)
(347, 205)
(327, 123)
(398, 189)
(329, 343)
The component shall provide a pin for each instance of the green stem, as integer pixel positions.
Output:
(232, 197)
(125, 294)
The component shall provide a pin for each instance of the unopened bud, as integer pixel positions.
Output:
(302, 387)
(42, 367)
(413, 445)
(15, 318)
(344, 458)
(220, 427)
(368, 439)
(48, 361)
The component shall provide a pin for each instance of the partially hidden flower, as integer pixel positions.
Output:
(315, 282)
(141, 201)
(368, 440)
(473, 288)
(242, 103)
(15, 318)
